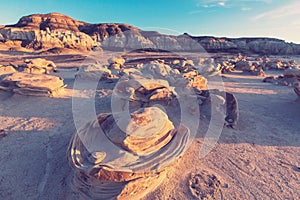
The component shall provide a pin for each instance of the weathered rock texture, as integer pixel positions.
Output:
(37, 66)
(112, 163)
(32, 84)
(253, 65)
(46, 31)
(119, 153)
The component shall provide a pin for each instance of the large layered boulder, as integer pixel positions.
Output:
(32, 84)
(115, 162)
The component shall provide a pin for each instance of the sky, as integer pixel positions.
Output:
(221, 18)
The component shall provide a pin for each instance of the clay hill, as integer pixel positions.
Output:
(55, 30)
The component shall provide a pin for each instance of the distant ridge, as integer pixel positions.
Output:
(56, 30)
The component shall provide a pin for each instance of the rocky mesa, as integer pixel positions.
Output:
(55, 30)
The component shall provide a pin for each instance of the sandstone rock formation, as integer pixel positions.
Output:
(96, 72)
(32, 84)
(116, 63)
(155, 83)
(113, 163)
(252, 65)
(266, 46)
(37, 66)
(46, 31)
(119, 153)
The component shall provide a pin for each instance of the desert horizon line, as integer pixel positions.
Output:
(158, 29)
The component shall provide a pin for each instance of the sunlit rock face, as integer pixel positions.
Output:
(46, 31)
(38, 66)
(51, 21)
(125, 162)
(32, 84)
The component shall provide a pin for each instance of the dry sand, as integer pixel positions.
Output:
(258, 160)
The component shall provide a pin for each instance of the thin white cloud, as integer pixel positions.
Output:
(228, 3)
(211, 3)
(221, 3)
(246, 9)
(284, 11)
(263, 1)
(195, 12)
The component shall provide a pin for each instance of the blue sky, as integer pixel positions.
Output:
(231, 18)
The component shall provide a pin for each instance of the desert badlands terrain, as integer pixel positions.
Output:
(106, 111)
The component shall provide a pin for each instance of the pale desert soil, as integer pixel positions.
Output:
(258, 160)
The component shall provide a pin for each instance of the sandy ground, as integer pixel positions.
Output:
(258, 160)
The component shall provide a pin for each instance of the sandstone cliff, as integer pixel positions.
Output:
(46, 31)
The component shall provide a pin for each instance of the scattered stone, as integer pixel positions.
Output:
(95, 72)
(199, 83)
(232, 111)
(277, 64)
(116, 63)
(38, 66)
(290, 77)
(176, 62)
(190, 74)
(209, 71)
(131, 70)
(183, 66)
(245, 66)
